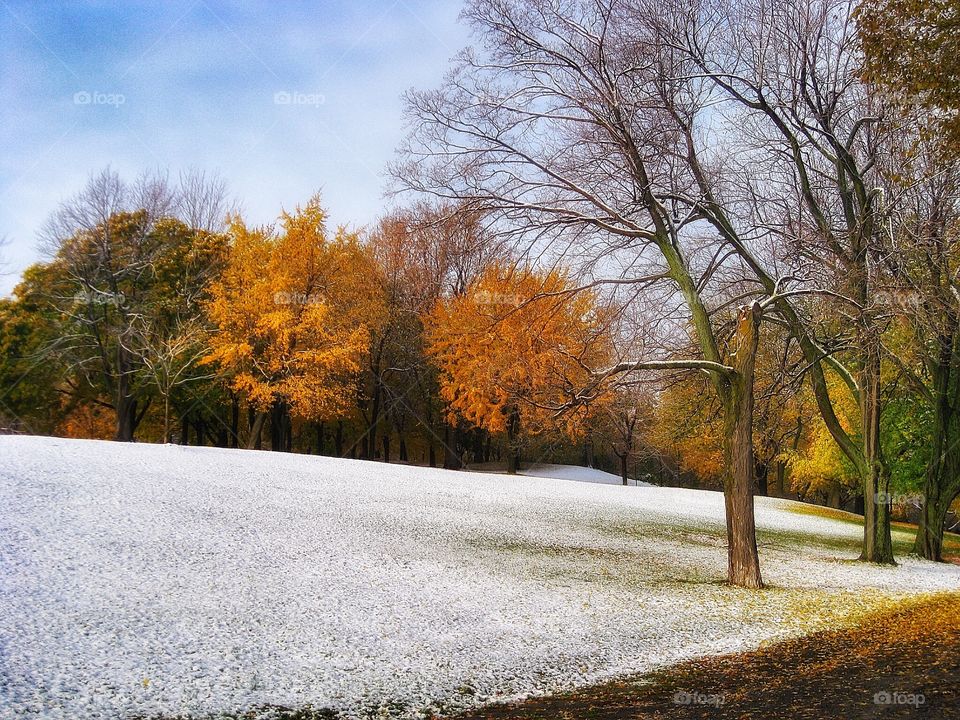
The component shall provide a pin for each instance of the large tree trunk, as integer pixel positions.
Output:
(877, 541)
(929, 541)
(623, 468)
(743, 562)
(126, 419)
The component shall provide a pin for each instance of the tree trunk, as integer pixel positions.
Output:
(513, 443)
(929, 541)
(833, 497)
(451, 460)
(763, 472)
(234, 420)
(623, 468)
(778, 483)
(942, 479)
(200, 427)
(941, 487)
(338, 439)
(743, 562)
(126, 418)
(166, 418)
(386, 446)
(321, 427)
(588, 451)
(125, 404)
(877, 541)
(403, 449)
(256, 430)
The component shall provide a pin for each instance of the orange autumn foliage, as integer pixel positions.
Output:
(518, 343)
(293, 312)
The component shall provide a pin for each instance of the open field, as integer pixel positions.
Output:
(139, 580)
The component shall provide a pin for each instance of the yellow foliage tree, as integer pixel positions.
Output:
(292, 311)
(817, 465)
(514, 348)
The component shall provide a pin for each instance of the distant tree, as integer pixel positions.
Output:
(424, 252)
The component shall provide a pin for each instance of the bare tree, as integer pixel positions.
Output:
(558, 128)
(923, 190)
(203, 201)
(800, 128)
(170, 357)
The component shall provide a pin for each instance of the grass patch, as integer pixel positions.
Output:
(903, 533)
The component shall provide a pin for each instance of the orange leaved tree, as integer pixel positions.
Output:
(513, 349)
(292, 310)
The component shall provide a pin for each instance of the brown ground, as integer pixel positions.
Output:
(912, 652)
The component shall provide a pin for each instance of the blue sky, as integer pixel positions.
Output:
(170, 85)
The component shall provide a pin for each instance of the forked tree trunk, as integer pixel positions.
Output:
(929, 541)
(743, 562)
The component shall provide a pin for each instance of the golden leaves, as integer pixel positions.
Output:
(293, 311)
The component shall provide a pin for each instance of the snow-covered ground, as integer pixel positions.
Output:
(141, 579)
(580, 474)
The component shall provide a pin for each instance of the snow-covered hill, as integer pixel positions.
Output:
(144, 579)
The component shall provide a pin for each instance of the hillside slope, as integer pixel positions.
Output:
(144, 579)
